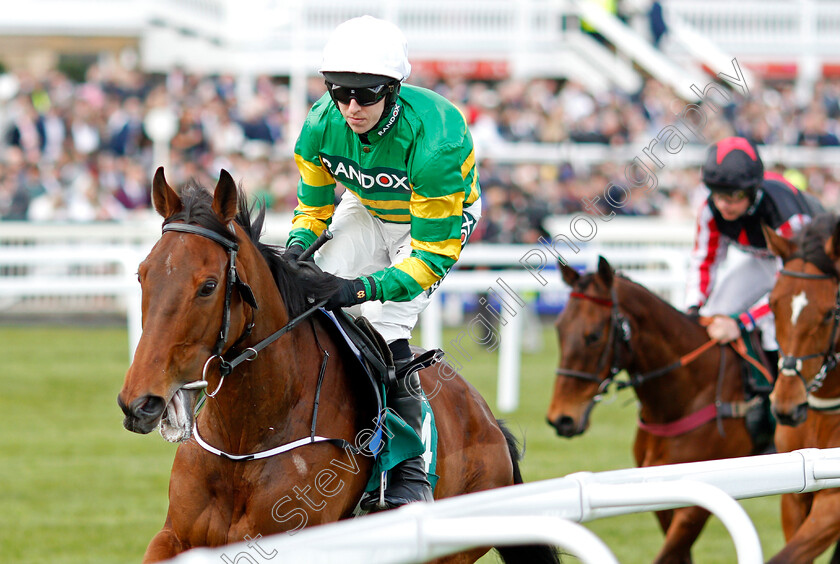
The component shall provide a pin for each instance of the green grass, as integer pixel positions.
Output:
(75, 487)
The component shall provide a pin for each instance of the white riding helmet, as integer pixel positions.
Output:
(367, 45)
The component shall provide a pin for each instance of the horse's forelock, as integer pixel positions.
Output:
(810, 243)
(197, 209)
(295, 287)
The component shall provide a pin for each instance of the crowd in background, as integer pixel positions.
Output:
(78, 150)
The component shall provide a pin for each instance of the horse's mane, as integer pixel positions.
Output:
(296, 285)
(588, 278)
(810, 243)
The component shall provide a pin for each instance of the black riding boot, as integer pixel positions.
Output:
(407, 481)
(759, 420)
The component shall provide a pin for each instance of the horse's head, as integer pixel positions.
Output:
(589, 330)
(194, 304)
(805, 304)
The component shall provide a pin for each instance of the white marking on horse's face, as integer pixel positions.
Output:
(797, 304)
(168, 264)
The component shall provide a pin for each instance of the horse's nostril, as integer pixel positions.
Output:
(564, 425)
(123, 406)
(801, 413)
(794, 418)
(149, 407)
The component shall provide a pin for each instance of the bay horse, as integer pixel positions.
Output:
(291, 390)
(805, 301)
(611, 324)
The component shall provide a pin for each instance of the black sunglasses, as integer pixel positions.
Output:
(364, 95)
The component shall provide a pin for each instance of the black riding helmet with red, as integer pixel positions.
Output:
(733, 166)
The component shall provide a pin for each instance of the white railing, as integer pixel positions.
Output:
(114, 17)
(762, 30)
(769, 30)
(420, 532)
(50, 267)
(534, 269)
(62, 275)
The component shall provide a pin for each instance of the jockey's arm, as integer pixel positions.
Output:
(728, 328)
(316, 203)
(436, 216)
(710, 250)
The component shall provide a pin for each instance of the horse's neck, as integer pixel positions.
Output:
(270, 399)
(663, 337)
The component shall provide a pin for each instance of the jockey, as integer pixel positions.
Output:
(405, 158)
(743, 196)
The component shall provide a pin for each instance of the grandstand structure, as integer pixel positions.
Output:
(488, 39)
(480, 39)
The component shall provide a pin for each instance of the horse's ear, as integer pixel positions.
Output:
(777, 244)
(225, 197)
(569, 275)
(605, 271)
(832, 246)
(166, 201)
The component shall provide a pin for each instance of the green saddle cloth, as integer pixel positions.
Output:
(756, 382)
(399, 442)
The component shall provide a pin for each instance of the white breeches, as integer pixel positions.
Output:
(362, 245)
(739, 288)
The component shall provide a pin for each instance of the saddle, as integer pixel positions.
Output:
(375, 359)
(360, 332)
(757, 378)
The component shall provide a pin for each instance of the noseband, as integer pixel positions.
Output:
(232, 278)
(792, 365)
(619, 332)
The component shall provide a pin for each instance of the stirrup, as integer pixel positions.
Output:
(397, 494)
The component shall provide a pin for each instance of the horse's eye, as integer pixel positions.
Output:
(592, 338)
(828, 317)
(208, 288)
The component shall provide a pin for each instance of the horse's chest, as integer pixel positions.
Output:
(232, 500)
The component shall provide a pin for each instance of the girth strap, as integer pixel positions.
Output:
(729, 410)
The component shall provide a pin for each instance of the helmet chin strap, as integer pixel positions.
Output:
(390, 102)
(756, 200)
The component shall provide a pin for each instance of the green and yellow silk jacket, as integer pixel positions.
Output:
(417, 167)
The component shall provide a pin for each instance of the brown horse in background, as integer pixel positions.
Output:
(209, 271)
(612, 324)
(806, 398)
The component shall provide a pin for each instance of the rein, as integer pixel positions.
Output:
(619, 330)
(620, 326)
(792, 365)
(233, 279)
(249, 354)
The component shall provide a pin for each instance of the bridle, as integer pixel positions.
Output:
(249, 354)
(792, 365)
(233, 279)
(619, 333)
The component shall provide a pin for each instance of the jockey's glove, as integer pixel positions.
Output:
(350, 293)
(292, 252)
